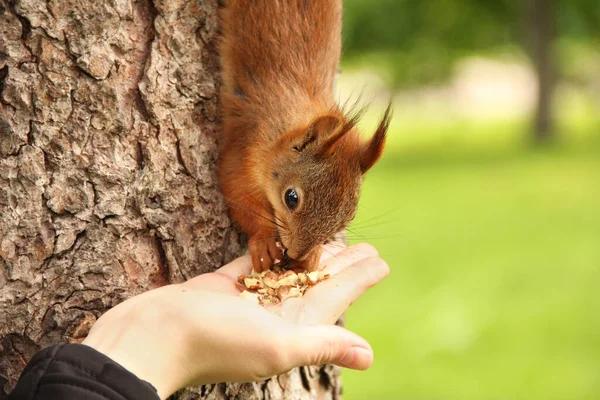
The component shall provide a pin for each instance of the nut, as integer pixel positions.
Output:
(258, 274)
(270, 279)
(275, 285)
(253, 297)
(302, 278)
(288, 278)
(313, 277)
(285, 292)
(252, 283)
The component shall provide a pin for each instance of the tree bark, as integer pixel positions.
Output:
(108, 145)
(540, 20)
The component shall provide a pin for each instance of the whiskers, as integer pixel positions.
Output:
(268, 220)
(377, 227)
(324, 247)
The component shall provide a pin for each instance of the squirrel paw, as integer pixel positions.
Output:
(264, 250)
(310, 263)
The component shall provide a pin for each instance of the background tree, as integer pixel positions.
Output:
(541, 33)
(108, 143)
(417, 43)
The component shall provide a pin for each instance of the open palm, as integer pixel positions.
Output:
(353, 270)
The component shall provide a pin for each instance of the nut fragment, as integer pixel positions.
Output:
(252, 283)
(276, 285)
(288, 291)
(270, 279)
(257, 274)
(253, 297)
(302, 278)
(288, 278)
(313, 277)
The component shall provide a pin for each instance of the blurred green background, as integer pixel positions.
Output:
(486, 203)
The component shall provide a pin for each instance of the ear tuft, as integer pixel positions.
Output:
(372, 150)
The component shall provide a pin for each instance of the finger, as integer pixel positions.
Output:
(239, 266)
(212, 282)
(349, 256)
(329, 299)
(331, 249)
(319, 345)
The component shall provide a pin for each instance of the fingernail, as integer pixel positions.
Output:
(357, 358)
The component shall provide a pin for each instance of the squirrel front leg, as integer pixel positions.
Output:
(263, 238)
(264, 250)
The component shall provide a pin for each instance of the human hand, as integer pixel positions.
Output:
(202, 332)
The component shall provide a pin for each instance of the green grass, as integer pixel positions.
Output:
(494, 250)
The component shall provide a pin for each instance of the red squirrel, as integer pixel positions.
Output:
(291, 161)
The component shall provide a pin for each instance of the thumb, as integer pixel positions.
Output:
(328, 344)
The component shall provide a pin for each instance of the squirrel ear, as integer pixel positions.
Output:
(371, 151)
(319, 129)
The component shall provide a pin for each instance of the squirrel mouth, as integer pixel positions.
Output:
(284, 251)
(285, 258)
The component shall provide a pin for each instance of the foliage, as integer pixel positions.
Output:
(494, 256)
(416, 42)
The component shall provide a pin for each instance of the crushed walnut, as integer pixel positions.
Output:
(274, 286)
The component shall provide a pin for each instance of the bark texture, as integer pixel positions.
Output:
(108, 147)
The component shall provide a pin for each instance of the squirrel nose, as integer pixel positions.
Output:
(292, 254)
(299, 255)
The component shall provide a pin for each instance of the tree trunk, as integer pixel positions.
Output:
(540, 21)
(108, 145)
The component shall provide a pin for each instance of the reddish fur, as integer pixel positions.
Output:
(279, 59)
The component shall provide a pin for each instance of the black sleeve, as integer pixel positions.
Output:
(76, 371)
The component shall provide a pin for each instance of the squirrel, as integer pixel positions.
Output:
(291, 160)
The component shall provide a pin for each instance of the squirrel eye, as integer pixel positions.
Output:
(291, 199)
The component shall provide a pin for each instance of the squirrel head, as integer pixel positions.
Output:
(315, 178)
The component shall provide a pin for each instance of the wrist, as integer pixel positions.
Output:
(143, 346)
